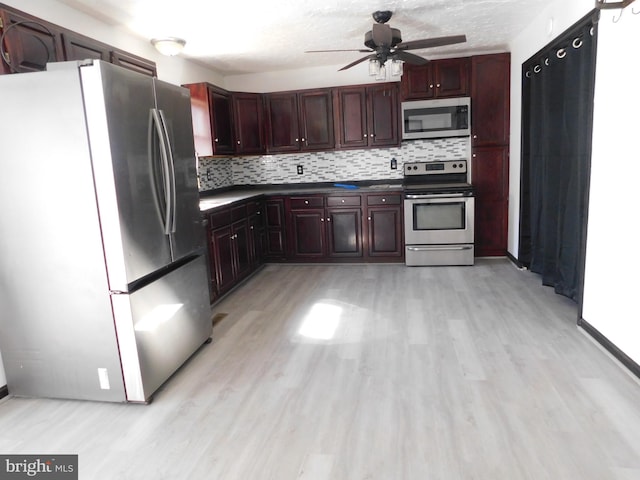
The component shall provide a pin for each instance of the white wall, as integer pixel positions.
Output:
(176, 70)
(552, 21)
(611, 277)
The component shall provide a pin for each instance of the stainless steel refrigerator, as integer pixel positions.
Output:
(103, 282)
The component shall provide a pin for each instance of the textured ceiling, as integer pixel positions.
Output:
(248, 36)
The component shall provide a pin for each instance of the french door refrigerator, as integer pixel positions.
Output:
(103, 282)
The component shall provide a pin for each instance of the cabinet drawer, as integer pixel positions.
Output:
(219, 218)
(306, 202)
(343, 201)
(239, 212)
(382, 199)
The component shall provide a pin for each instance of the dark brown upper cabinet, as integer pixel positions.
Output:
(299, 121)
(29, 42)
(490, 99)
(78, 47)
(133, 62)
(211, 113)
(437, 79)
(248, 123)
(367, 116)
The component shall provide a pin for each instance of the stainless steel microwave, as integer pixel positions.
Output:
(446, 117)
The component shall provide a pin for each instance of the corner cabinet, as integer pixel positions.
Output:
(367, 116)
(490, 151)
(437, 79)
(299, 121)
(211, 114)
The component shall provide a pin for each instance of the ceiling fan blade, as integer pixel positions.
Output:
(382, 35)
(431, 42)
(363, 59)
(410, 58)
(349, 50)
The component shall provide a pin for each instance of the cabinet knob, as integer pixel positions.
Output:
(474, 155)
(365, 135)
(215, 140)
(342, 200)
(321, 219)
(369, 218)
(238, 142)
(297, 140)
(303, 139)
(328, 219)
(251, 227)
(437, 85)
(384, 200)
(475, 136)
(431, 85)
(306, 202)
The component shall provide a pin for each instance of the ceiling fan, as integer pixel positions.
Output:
(384, 42)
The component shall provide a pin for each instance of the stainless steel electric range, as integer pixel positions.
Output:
(438, 213)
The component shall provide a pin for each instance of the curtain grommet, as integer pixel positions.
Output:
(546, 61)
(528, 74)
(577, 42)
(537, 69)
(561, 53)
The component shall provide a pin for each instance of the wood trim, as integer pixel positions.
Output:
(4, 391)
(515, 261)
(618, 354)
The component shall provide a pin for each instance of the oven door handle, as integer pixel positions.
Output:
(439, 247)
(412, 196)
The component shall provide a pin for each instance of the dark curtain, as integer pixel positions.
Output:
(557, 117)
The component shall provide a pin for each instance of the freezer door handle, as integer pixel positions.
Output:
(439, 247)
(155, 124)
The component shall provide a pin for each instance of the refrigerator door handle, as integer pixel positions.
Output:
(156, 124)
(172, 172)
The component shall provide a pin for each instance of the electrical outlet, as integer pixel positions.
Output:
(300, 170)
(394, 164)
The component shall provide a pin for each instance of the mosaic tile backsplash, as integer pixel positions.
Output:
(331, 166)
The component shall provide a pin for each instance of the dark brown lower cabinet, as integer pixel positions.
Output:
(344, 232)
(275, 234)
(491, 182)
(236, 240)
(384, 227)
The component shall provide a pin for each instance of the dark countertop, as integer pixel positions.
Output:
(214, 199)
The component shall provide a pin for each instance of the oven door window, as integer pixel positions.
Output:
(439, 216)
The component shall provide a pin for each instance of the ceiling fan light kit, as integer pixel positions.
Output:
(385, 43)
(169, 46)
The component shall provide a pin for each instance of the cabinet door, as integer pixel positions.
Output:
(78, 47)
(133, 62)
(283, 129)
(385, 231)
(241, 249)
(382, 114)
(307, 233)
(29, 43)
(275, 229)
(490, 179)
(451, 77)
(352, 117)
(417, 82)
(222, 246)
(316, 120)
(344, 232)
(248, 112)
(221, 121)
(490, 99)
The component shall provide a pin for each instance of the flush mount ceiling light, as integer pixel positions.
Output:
(168, 46)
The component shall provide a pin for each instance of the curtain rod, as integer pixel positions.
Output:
(603, 4)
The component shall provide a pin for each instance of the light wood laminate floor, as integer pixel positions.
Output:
(366, 372)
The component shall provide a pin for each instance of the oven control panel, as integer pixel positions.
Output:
(435, 168)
